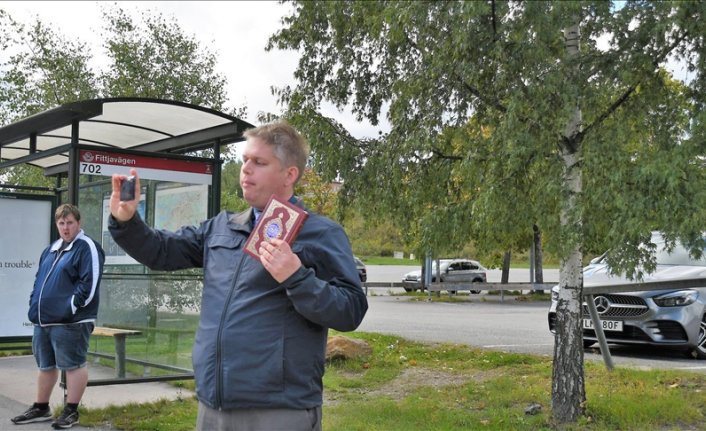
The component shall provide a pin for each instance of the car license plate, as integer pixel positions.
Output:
(608, 325)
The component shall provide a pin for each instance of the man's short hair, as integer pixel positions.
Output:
(290, 148)
(65, 210)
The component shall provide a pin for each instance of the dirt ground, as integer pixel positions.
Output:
(411, 379)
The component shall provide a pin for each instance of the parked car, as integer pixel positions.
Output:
(362, 270)
(452, 270)
(668, 317)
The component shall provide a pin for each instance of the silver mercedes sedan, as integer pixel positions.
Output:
(673, 318)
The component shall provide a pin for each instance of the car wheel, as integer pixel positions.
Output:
(588, 343)
(699, 352)
(409, 289)
(478, 280)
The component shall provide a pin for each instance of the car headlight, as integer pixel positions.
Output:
(679, 298)
(555, 293)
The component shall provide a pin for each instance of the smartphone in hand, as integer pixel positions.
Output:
(127, 189)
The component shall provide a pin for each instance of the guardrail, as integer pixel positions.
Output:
(456, 286)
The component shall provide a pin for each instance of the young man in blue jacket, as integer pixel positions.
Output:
(259, 351)
(63, 307)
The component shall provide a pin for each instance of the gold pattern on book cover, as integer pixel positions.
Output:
(276, 221)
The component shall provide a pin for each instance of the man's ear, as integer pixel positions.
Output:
(292, 175)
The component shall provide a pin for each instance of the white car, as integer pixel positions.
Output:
(452, 270)
(670, 317)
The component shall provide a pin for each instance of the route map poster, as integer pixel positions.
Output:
(180, 206)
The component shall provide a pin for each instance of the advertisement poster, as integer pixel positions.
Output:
(25, 231)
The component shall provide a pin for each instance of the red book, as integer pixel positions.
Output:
(279, 219)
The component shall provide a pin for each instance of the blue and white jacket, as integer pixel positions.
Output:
(66, 286)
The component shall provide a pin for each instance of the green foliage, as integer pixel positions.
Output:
(154, 58)
(319, 195)
(151, 57)
(231, 193)
(372, 237)
(42, 69)
(507, 115)
(27, 175)
(479, 94)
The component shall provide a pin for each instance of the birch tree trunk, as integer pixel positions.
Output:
(538, 255)
(505, 276)
(568, 383)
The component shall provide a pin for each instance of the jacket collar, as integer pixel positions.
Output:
(241, 221)
(57, 244)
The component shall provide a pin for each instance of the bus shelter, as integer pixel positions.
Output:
(147, 319)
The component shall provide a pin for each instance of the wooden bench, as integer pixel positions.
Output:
(119, 337)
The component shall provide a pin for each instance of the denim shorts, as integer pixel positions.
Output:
(61, 346)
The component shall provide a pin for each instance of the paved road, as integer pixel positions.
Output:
(509, 326)
(485, 322)
(18, 391)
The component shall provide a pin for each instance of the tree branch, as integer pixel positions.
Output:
(631, 90)
(441, 155)
(472, 90)
(475, 92)
(492, 17)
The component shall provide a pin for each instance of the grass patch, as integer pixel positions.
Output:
(15, 349)
(387, 260)
(464, 296)
(178, 415)
(405, 385)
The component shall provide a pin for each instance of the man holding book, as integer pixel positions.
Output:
(259, 351)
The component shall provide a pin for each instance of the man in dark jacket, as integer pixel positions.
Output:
(63, 307)
(259, 351)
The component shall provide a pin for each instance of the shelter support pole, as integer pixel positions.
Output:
(216, 179)
(74, 163)
(426, 273)
(598, 328)
(531, 266)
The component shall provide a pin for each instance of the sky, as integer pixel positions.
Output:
(235, 31)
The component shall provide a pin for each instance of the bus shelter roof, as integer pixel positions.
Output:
(152, 125)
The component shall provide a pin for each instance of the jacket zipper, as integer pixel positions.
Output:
(219, 358)
(44, 283)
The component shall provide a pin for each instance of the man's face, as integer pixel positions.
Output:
(262, 174)
(68, 227)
